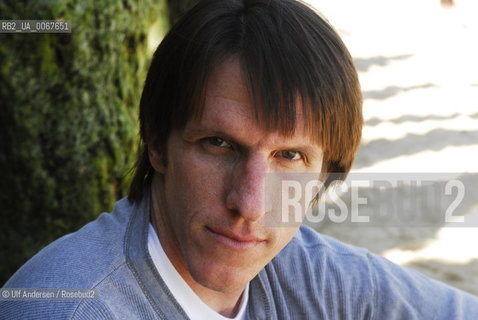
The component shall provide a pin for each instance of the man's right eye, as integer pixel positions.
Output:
(217, 142)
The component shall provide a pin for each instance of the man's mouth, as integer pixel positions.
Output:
(233, 239)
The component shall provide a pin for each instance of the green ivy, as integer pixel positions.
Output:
(68, 116)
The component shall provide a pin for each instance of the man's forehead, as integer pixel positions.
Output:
(228, 76)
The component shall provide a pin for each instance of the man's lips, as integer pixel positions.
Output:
(235, 240)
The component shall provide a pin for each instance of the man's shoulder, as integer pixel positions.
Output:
(93, 259)
(79, 259)
(338, 272)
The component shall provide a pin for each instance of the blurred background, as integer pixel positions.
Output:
(68, 109)
(418, 67)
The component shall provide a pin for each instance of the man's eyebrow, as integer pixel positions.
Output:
(201, 130)
(205, 131)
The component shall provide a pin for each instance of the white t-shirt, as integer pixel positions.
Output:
(194, 307)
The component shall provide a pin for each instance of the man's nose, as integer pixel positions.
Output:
(247, 195)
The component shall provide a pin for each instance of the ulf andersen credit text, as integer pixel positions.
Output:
(46, 294)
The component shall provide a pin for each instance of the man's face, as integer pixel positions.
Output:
(211, 212)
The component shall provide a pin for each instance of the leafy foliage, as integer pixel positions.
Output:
(68, 109)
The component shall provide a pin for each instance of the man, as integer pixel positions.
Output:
(238, 90)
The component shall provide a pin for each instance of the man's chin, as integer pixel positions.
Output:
(226, 281)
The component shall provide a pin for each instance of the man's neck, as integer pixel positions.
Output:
(226, 304)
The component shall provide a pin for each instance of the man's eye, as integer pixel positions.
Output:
(218, 142)
(290, 155)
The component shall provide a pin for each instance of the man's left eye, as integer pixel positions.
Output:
(290, 155)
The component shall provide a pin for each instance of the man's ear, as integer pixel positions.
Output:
(156, 158)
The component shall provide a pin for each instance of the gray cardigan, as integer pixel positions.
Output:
(313, 277)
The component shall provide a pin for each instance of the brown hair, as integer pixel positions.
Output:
(287, 51)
